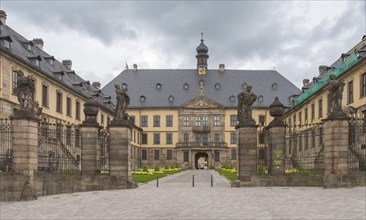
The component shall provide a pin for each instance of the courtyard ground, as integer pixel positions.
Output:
(175, 198)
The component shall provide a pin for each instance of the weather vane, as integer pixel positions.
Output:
(201, 35)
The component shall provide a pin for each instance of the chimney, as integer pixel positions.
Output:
(221, 68)
(3, 17)
(38, 42)
(67, 64)
(135, 67)
(305, 84)
(96, 85)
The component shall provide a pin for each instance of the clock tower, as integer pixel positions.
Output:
(202, 57)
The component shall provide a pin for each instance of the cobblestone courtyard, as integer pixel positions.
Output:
(177, 199)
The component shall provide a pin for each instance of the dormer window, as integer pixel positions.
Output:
(217, 86)
(244, 85)
(28, 45)
(124, 86)
(274, 86)
(171, 98)
(50, 60)
(59, 75)
(5, 42)
(186, 86)
(36, 60)
(142, 98)
(232, 98)
(260, 98)
(158, 86)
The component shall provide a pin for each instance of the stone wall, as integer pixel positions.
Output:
(15, 187)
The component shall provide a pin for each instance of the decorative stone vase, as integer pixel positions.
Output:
(90, 111)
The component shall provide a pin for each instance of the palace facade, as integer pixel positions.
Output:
(188, 116)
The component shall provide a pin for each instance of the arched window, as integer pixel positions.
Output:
(217, 86)
(171, 98)
(232, 98)
(142, 98)
(158, 86)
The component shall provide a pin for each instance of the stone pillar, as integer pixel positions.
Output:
(336, 152)
(120, 150)
(25, 146)
(90, 160)
(277, 139)
(247, 154)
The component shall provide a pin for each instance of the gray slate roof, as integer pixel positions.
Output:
(143, 83)
(69, 78)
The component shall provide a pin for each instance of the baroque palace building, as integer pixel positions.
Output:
(188, 116)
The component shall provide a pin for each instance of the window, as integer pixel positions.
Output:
(102, 119)
(144, 121)
(5, 41)
(144, 155)
(171, 98)
(312, 112)
(186, 137)
(144, 139)
(77, 138)
(262, 120)
(185, 121)
(156, 120)
(132, 119)
(217, 121)
(363, 85)
(306, 140)
(28, 46)
(300, 116)
(198, 138)
(233, 120)
(169, 138)
(217, 138)
(320, 136)
(68, 107)
(68, 135)
(108, 120)
(77, 110)
(313, 138)
(15, 80)
(156, 138)
(186, 86)
(169, 155)
(205, 138)
(260, 98)
(350, 92)
(186, 156)
(295, 120)
(261, 137)
(45, 95)
(320, 108)
(169, 120)
(233, 154)
(217, 86)
(217, 156)
(142, 98)
(232, 98)
(274, 86)
(156, 154)
(306, 115)
(233, 138)
(158, 86)
(124, 86)
(201, 121)
(58, 102)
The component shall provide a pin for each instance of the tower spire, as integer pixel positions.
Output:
(202, 57)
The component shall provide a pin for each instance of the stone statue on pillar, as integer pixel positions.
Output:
(245, 102)
(335, 97)
(25, 92)
(123, 100)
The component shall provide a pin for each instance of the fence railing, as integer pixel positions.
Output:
(104, 150)
(59, 148)
(357, 145)
(6, 146)
(305, 147)
(263, 156)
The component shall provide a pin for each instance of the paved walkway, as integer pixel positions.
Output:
(177, 199)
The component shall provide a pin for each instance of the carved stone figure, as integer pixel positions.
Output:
(25, 92)
(245, 102)
(335, 94)
(123, 100)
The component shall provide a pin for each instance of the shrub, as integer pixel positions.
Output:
(262, 169)
(157, 168)
(166, 167)
(172, 166)
(145, 169)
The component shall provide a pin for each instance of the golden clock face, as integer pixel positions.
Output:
(201, 71)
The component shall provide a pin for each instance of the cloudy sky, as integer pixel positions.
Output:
(294, 37)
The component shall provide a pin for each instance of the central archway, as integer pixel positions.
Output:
(201, 160)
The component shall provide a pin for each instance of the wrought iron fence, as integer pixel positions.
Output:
(262, 151)
(59, 148)
(304, 146)
(357, 145)
(6, 146)
(104, 150)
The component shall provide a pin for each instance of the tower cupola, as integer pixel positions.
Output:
(202, 57)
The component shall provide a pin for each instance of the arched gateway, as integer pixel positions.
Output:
(201, 160)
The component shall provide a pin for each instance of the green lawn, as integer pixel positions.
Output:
(229, 175)
(148, 178)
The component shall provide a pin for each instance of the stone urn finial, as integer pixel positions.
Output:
(90, 111)
(276, 110)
